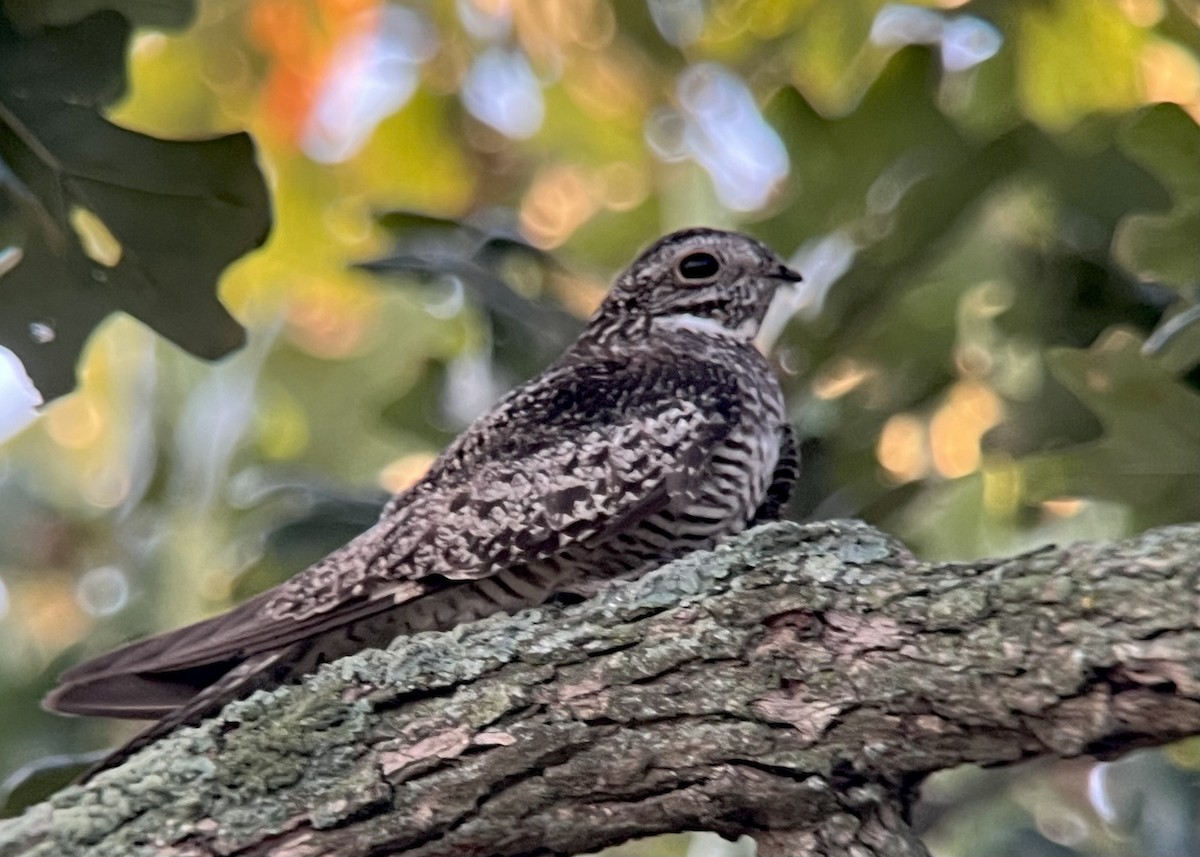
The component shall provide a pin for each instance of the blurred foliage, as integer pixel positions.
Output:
(996, 206)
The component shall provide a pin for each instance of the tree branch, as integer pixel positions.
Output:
(794, 685)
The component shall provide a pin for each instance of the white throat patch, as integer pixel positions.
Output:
(744, 332)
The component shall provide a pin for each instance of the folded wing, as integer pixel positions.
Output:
(577, 457)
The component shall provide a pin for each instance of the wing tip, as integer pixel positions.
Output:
(131, 697)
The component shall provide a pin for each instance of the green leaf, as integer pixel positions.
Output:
(1149, 454)
(110, 219)
(1165, 247)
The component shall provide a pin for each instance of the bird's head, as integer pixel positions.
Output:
(704, 279)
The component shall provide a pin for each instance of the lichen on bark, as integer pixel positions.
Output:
(793, 684)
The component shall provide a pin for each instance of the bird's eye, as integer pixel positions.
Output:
(698, 266)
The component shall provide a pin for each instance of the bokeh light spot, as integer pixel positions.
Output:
(970, 409)
(18, 397)
(845, 375)
(1171, 73)
(372, 74)
(75, 422)
(1062, 507)
(500, 90)
(99, 244)
(902, 450)
(558, 202)
(727, 135)
(102, 591)
(107, 487)
(405, 471)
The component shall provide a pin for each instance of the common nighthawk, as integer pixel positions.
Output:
(660, 430)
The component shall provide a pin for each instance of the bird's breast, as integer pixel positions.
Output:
(737, 471)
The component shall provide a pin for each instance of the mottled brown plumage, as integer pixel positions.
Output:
(661, 430)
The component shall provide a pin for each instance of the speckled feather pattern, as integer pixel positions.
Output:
(660, 431)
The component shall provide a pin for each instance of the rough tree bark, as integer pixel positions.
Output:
(794, 685)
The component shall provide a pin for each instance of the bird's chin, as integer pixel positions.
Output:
(743, 332)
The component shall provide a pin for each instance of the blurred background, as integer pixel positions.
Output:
(995, 204)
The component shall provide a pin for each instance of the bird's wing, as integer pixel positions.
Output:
(576, 457)
(783, 479)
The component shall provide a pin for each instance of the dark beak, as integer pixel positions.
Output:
(783, 272)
